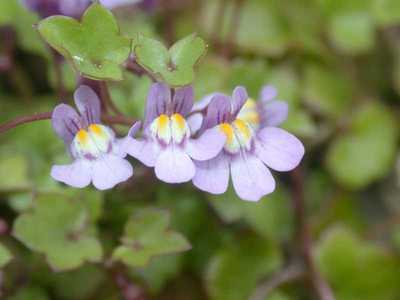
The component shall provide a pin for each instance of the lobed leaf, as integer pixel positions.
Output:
(94, 46)
(147, 235)
(60, 228)
(174, 66)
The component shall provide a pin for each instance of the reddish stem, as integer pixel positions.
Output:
(320, 286)
(121, 120)
(24, 119)
(129, 290)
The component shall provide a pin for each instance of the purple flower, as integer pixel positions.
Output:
(46, 8)
(252, 143)
(167, 144)
(145, 4)
(111, 4)
(267, 111)
(97, 154)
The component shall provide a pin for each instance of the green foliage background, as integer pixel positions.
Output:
(336, 62)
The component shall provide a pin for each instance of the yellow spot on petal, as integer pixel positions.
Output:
(96, 129)
(83, 136)
(253, 117)
(228, 131)
(163, 121)
(243, 128)
(249, 112)
(250, 103)
(179, 120)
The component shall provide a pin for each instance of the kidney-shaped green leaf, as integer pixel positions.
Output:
(147, 235)
(94, 46)
(174, 66)
(62, 229)
(357, 269)
(367, 151)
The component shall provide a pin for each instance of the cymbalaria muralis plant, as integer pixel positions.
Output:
(225, 143)
(183, 141)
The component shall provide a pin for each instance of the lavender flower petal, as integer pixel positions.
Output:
(134, 129)
(146, 151)
(120, 145)
(207, 146)
(73, 8)
(66, 122)
(278, 149)
(77, 174)
(273, 113)
(158, 98)
(218, 111)
(195, 122)
(44, 8)
(183, 100)
(110, 170)
(251, 178)
(239, 98)
(111, 4)
(268, 92)
(212, 175)
(174, 165)
(88, 104)
(203, 102)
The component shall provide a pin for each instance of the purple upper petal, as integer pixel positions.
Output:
(88, 104)
(251, 178)
(218, 111)
(115, 3)
(44, 8)
(183, 100)
(77, 174)
(279, 149)
(73, 8)
(66, 122)
(174, 166)
(239, 98)
(157, 100)
(212, 175)
(203, 102)
(109, 170)
(268, 93)
(273, 113)
(207, 146)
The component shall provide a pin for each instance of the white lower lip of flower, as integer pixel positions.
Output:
(170, 128)
(239, 135)
(92, 142)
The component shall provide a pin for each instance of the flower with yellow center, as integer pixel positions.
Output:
(97, 154)
(253, 145)
(93, 141)
(167, 144)
(238, 135)
(167, 129)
